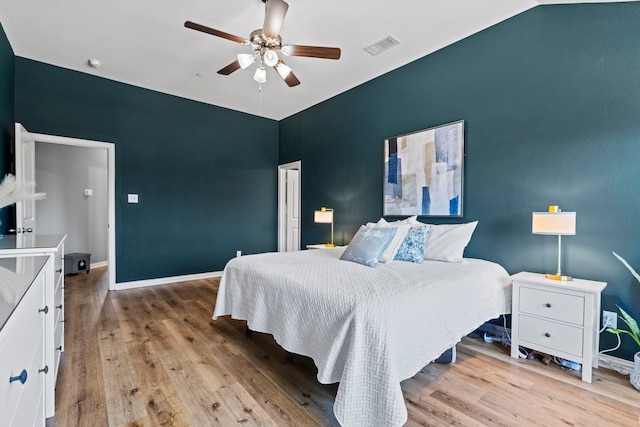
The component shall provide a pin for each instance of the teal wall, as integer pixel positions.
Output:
(550, 99)
(6, 116)
(551, 103)
(205, 175)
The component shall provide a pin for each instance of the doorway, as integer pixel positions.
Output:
(289, 206)
(22, 135)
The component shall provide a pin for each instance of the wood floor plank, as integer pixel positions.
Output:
(162, 402)
(198, 399)
(181, 368)
(316, 398)
(199, 350)
(243, 406)
(124, 402)
(283, 407)
(431, 412)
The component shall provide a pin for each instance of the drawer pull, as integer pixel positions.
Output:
(547, 334)
(59, 306)
(59, 348)
(547, 305)
(59, 270)
(44, 310)
(45, 369)
(22, 377)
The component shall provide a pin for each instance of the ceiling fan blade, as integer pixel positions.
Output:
(291, 80)
(287, 75)
(215, 32)
(275, 11)
(235, 65)
(311, 51)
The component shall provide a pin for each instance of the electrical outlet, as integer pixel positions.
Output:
(610, 319)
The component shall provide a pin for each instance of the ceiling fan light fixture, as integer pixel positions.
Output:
(261, 75)
(283, 69)
(286, 49)
(270, 57)
(245, 60)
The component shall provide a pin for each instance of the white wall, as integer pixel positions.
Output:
(64, 172)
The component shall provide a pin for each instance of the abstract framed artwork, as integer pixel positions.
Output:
(423, 172)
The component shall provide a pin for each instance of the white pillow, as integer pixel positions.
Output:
(412, 220)
(390, 253)
(446, 242)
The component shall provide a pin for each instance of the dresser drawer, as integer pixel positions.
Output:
(551, 335)
(30, 410)
(59, 286)
(58, 266)
(59, 334)
(22, 348)
(59, 346)
(59, 303)
(552, 305)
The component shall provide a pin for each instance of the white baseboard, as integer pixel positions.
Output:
(617, 364)
(166, 280)
(99, 264)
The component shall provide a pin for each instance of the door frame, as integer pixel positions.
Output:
(282, 207)
(111, 189)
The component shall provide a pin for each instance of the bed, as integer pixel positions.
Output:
(366, 328)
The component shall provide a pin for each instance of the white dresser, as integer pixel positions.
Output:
(23, 367)
(560, 318)
(28, 246)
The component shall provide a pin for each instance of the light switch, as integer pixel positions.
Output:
(133, 198)
(88, 192)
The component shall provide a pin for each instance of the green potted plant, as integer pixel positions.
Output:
(633, 331)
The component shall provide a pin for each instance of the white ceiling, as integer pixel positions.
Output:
(144, 42)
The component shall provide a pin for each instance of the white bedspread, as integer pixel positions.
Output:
(367, 328)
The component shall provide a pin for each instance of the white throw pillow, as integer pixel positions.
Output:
(446, 242)
(368, 244)
(390, 253)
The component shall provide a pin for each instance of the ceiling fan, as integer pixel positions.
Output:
(266, 43)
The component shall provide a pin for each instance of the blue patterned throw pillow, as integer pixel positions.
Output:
(368, 244)
(412, 247)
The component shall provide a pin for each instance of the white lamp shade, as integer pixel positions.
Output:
(270, 58)
(556, 223)
(323, 217)
(283, 69)
(261, 75)
(245, 59)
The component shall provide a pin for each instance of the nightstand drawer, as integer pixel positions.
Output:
(551, 335)
(552, 305)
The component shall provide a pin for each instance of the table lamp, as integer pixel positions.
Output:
(325, 216)
(557, 223)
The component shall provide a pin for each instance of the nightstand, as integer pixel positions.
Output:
(560, 318)
(322, 246)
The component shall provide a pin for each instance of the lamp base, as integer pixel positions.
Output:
(330, 245)
(558, 277)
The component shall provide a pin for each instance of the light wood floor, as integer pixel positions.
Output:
(153, 356)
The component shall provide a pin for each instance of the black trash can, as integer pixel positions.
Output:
(76, 262)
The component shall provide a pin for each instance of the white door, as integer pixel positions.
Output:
(293, 210)
(289, 202)
(25, 159)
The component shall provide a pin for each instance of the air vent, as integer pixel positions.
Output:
(379, 47)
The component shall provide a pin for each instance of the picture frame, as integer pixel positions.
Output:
(424, 172)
